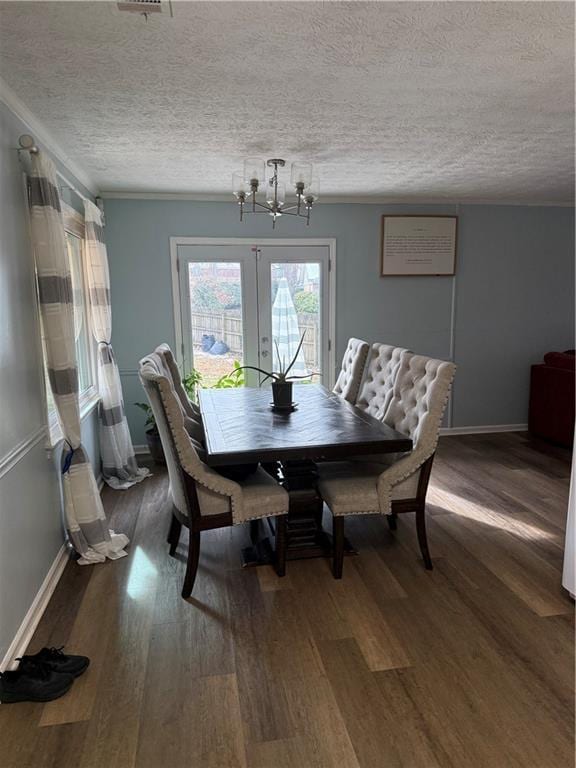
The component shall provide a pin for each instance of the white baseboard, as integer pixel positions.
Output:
(484, 430)
(141, 450)
(36, 610)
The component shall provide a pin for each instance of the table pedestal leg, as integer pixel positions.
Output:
(305, 536)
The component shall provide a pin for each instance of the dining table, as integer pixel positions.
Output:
(241, 427)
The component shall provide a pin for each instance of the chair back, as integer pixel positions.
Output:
(171, 368)
(184, 454)
(379, 377)
(350, 376)
(191, 412)
(419, 399)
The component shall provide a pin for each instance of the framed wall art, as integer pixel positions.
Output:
(418, 245)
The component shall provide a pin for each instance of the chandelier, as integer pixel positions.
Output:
(257, 194)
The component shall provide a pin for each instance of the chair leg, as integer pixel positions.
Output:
(392, 521)
(192, 565)
(422, 540)
(281, 543)
(254, 531)
(338, 543)
(174, 533)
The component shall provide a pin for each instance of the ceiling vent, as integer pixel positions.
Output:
(146, 6)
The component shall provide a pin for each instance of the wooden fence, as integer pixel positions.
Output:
(224, 326)
(227, 327)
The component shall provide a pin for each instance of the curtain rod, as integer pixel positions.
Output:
(27, 144)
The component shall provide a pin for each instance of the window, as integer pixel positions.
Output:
(81, 327)
(74, 226)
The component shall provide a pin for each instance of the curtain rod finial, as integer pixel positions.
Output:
(27, 142)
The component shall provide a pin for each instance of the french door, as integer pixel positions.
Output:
(249, 304)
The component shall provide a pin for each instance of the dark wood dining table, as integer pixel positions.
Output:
(241, 427)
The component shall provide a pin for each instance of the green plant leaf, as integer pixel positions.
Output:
(268, 374)
(287, 371)
(150, 420)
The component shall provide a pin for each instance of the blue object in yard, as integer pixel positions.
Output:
(207, 342)
(219, 348)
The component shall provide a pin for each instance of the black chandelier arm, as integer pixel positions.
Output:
(253, 213)
(281, 212)
(290, 213)
(298, 210)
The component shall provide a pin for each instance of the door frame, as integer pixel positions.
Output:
(329, 242)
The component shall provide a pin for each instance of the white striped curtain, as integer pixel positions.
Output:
(85, 519)
(119, 467)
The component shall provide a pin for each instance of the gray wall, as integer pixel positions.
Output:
(514, 297)
(31, 531)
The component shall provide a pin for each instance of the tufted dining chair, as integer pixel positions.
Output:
(395, 485)
(350, 375)
(202, 499)
(379, 376)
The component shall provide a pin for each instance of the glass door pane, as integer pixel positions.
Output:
(218, 310)
(293, 300)
(216, 325)
(296, 311)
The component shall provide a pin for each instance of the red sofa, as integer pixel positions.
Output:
(552, 394)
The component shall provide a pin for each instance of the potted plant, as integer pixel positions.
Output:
(281, 381)
(231, 380)
(152, 435)
(191, 383)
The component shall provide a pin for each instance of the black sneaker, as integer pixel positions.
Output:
(58, 661)
(37, 682)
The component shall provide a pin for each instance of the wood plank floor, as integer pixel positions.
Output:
(394, 666)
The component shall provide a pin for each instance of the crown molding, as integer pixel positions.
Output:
(43, 136)
(348, 199)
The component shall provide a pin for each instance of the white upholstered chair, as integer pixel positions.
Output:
(380, 374)
(202, 499)
(350, 376)
(389, 487)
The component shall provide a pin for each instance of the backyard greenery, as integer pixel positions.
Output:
(193, 381)
(214, 295)
(306, 302)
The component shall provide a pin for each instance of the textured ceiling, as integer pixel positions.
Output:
(467, 101)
